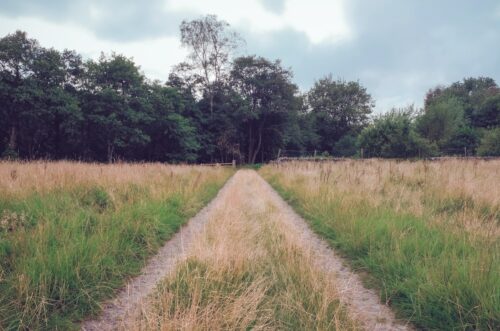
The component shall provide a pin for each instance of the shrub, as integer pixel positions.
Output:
(393, 135)
(490, 143)
(10, 154)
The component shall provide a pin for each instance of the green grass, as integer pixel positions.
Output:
(437, 278)
(71, 249)
(255, 166)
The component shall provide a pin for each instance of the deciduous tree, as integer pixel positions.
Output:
(340, 108)
(269, 94)
(211, 45)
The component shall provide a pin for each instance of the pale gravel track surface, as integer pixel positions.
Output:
(363, 304)
(120, 310)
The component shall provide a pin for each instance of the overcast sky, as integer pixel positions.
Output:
(397, 49)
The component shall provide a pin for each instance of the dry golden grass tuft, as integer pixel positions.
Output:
(466, 190)
(18, 179)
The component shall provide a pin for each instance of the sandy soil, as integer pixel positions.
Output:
(363, 304)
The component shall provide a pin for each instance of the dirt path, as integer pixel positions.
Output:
(363, 304)
(247, 192)
(117, 312)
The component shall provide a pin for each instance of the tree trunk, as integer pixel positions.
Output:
(259, 143)
(211, 104)
(12, 138)
(250, 143)
(110, 152)
(57, 137)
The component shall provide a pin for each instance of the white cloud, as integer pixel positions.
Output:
(384, 104)
(320, 20)
(155, 56)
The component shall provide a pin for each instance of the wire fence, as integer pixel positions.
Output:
(282, 155)
(315, 155)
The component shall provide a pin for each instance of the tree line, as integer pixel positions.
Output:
(216, 107)
(460, 119)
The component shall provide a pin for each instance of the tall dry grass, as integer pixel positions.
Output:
(427, 232)
(248, 270)
(19, 179)
(468, 191)
(70, 233)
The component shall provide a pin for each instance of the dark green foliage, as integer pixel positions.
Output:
(268, 93)
(300, 134)
(469, 92)
(347, 146)
(393, 135)
(463, 141)
(10, 154)
(487, 115)
(339, 108)
(441, 120)
(54, 105)
(454, 115)
(490, 143)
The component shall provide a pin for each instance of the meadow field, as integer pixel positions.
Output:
(418, 240)
(424, 234)
(71, 233)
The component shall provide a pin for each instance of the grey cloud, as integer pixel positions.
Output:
(55, 9)
(119, 20)
(275, 6)
(132, 20)
(399, 49)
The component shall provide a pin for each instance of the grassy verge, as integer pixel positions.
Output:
(71, 233)
(247, 271)
(431, 248)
